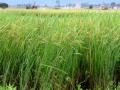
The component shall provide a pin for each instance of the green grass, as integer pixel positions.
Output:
(7, 88)
(48, 49)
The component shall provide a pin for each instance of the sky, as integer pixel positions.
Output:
(52, 2)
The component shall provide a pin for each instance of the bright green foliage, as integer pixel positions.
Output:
(7, 88)
(48, 49)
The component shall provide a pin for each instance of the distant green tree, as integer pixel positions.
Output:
(91, 7)
(3, 5)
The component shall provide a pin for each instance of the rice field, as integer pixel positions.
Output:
(59, 49)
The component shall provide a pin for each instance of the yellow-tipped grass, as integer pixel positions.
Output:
(47, 47)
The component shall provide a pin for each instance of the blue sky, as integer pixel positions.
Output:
(52, 2)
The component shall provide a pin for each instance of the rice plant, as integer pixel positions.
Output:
(58, 50)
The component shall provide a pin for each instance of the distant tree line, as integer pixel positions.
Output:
(3, 5)
(31, 7)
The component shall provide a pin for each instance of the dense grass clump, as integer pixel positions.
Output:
(58, 50)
